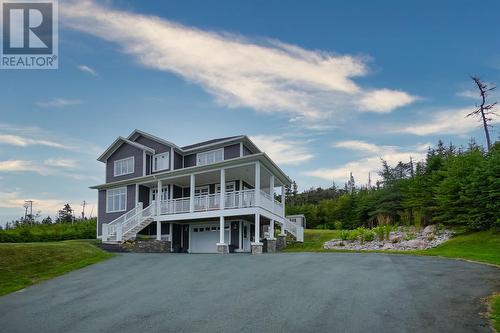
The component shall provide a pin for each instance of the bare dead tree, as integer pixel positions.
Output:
(484, 111)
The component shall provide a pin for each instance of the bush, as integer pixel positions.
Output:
(50, 232)
(369, 236)
(344, 234)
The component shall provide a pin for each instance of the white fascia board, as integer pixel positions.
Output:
(117, 143)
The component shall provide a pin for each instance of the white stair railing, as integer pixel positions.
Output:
(116, 229)
(296, 230)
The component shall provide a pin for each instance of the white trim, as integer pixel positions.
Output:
(143, 162)
(114, 189)
(200, 188)
(172, 158)
(214, 152)
(111, 149)
(122, 160)
(136, 194)
(153, 162)
(218, 187)
(241, 149)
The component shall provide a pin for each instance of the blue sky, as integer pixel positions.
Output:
(325, 87)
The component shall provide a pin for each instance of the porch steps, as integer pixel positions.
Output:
(133, 232)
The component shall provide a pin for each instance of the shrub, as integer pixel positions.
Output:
(362, 234)
(338, 225)
(344, 235)
(369, 235)
(380, 232)
(409, 236)
(50, 232)
(352, 235)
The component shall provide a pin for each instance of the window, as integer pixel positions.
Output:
(161, 162)
(124, 166)
(230, 187)
(164, 193)
(201, 190)
(116, 200)
(210, 157)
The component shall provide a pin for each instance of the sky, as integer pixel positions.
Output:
(324, 87)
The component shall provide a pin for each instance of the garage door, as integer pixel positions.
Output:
(204, 238)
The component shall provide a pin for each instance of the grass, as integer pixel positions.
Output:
(481, 246)
(494, 308)
(24, 264)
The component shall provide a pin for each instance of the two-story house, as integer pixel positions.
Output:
(158, 189)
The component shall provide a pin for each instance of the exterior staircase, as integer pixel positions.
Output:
(128, 225)
(294, 229)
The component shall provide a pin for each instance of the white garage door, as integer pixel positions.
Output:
(204, 238)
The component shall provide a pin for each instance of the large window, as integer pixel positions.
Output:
(161, 162)
(201, 190)
(230, 187)
(209, 157)
(116, 200)
(164, 193)
(124, 166)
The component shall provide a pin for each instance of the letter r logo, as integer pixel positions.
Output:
(27, 27)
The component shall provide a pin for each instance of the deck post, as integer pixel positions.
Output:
(271, 187)
(271, 229)
(221, 246)
(283, 200)
(191, 192)
(257, 184)
(158, 211)
(222, 188)
(257, 245)
(104, 232)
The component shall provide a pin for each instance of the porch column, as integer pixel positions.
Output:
(191, 193)
(222, 201)
(257, 228)
(221, 246)
(283, 199)
(257, 184)
(170, 234)
(158, 211)
(257, 245)
(271, 229)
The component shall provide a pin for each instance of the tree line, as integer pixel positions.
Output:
(456, 186)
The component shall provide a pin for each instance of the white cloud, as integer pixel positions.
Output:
(20, 166)
(370, 164)
(60, 162)
(16, 140)
(268, 76)
(470, 93)
(385, 100)
(58, 103)
(445, 122)
(87, 69)
(283, 150)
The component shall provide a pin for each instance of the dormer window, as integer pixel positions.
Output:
(210, 157)
(124, 166)
(161, 162)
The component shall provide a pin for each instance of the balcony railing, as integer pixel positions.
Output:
(232, 200)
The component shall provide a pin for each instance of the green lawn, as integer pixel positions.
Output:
(495, 312)
(24, 264)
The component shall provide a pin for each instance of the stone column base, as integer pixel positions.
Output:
(270, 245)
(222, 248)
(281, 242)
(152, 246)
(257, 248)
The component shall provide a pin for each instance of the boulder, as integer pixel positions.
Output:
(417, 244)
(430, 229)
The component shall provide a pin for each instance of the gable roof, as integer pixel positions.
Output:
(210, 142)
(117, 144)
(136, 133)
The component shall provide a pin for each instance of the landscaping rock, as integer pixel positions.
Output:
(402, 239)
(430, 229)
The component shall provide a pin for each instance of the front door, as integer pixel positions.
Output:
(185, 238)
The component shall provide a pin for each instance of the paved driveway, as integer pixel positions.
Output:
(332, 292)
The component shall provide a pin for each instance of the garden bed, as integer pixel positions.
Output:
(388, 238)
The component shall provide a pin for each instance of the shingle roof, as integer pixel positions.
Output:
(203, 143)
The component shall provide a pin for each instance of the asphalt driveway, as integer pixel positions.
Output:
(333, 292)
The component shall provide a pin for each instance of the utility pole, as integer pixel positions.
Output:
(83, 209)
(28, 204)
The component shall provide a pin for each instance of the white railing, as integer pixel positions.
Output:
(239, 199)
(133, 221)
(111, 226)
(174, 206)
(278, 208)
(206, 202)
(294, 229)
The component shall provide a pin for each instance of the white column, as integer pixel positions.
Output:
(158, 211)
(222, 202)
(191, 193)
(170, 231)
(257, 228)
(104, 232)
(136, 194)
(271, 229)
(221, 233)
(283, 199)
(257, 184)
(119, 232)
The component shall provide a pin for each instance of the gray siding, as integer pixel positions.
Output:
(177, 160)
(232, 151)
(189, 160)
(157, 146)
(104, 217)
(246, 151)
(124, 151)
